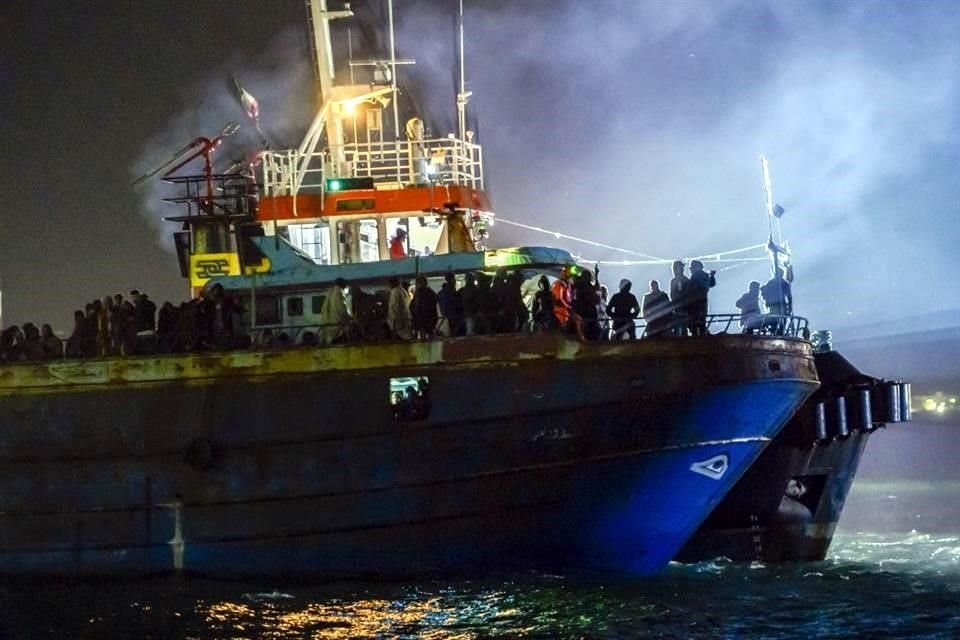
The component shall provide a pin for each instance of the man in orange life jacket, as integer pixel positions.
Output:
(398, 245)
(562, 298)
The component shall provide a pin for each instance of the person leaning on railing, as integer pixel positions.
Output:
(751, 318)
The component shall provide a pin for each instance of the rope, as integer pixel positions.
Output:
(648, 259)
(558, 235)
(634, 263)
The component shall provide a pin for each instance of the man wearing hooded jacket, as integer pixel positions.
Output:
(624, 309)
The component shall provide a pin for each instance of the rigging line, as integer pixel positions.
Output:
(558, 235)
(634, 263)
(717, 254)
(737, 265)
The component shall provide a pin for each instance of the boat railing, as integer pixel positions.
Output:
(439, 161)
(376, 331)
(681, 324)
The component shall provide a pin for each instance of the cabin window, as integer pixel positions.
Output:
(313, 239)
(359, 241)
(316, 304)
(423, 233)
(294, 307)
(369, 241)
(268, 310)
(356, 204)
(410, 398)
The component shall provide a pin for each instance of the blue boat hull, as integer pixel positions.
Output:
(786, 507)
(602, 460)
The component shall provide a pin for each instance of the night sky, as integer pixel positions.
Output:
(637, 124)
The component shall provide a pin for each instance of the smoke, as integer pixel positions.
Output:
(280, 78)
(640, 125)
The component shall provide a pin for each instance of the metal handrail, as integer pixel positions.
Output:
(437, 160)
(787, 326)
(769, 324)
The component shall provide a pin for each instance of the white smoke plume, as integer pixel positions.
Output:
(640, 124)
(281, 79)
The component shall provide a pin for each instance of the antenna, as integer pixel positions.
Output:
(776, 246)
(350, 54)
(773, 211)
(393, 72)
(462, 96)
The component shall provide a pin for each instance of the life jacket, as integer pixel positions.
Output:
(562, 299)
(397, 250)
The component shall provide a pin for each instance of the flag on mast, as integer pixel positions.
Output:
(250, 105)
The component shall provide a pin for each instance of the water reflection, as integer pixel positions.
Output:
(904, 583)
(895, 585)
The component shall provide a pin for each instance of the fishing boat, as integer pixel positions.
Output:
(364, 453)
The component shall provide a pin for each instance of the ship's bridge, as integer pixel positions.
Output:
(345, 203)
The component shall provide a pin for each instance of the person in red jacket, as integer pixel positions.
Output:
(562, 298)
(398, 245)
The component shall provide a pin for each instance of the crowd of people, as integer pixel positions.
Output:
(413, 403)
(576, 303)
(105, 327)
(120, 326)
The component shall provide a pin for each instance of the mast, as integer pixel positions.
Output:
(320, 19)
(393, 83)
(776, 245)
(776, 234)
(462, 96)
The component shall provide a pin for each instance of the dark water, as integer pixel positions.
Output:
(893, 572)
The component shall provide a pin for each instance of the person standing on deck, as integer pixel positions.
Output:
(398, 311)
(543, 316)
(562, 298)
(656, 310)
(335, 319)
(470, 299)
(623, 309)
(777, 295)
(451, 307)
(104, 312)
(779, 300)
(145, 311)
(700, 284)
(77, 339)
(423, 310)
(679, 289)
(398, 245)
(50, 345)
(749, 305)
(603, 318)
(585, 300)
